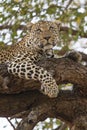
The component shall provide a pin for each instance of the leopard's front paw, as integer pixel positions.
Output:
(50, 90)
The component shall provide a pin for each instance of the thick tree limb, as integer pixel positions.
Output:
(80, 123)
(64, 70)
(68, 106)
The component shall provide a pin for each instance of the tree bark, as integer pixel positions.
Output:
(22, 96)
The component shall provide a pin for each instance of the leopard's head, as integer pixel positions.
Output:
(44, 35)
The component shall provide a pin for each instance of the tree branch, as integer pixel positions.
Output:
(11, 123)
(74, 32)
(70, 1)
(20, 27)
(64, 71)
(65, 9)
(80, 123)
(22, 95)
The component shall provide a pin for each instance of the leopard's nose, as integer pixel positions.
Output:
(47, 38)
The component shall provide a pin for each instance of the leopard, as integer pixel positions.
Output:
(22, 57)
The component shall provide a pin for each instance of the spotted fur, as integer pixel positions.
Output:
(22, 57)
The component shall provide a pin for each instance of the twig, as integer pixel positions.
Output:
(20, 115)
(70, 1)
(11, 123)
(65, 9)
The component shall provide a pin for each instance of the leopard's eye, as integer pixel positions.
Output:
(51, 27)
(38, 30)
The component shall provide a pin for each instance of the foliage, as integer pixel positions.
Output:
(14, 13)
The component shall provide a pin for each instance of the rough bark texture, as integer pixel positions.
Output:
(22, 97)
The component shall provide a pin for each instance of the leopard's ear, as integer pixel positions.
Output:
(58, 23)
(29, 26)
